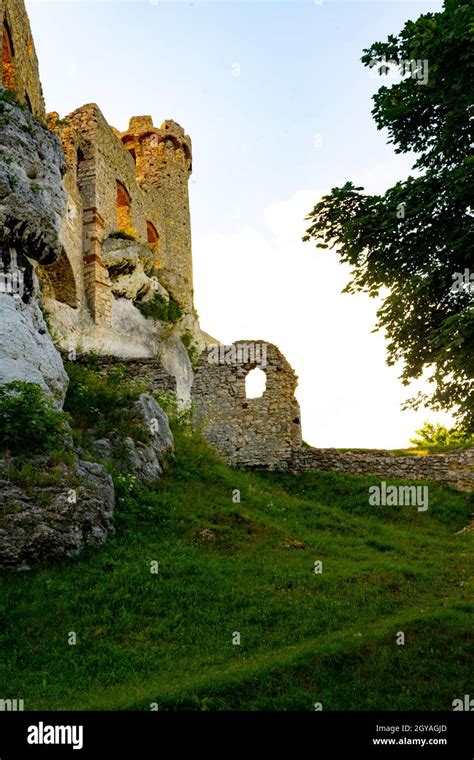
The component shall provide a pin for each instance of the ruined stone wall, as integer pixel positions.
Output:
(265, 432)
(134, 182)
(147, 371)
(455, 469)
(100, 165)
(20, 71)
(114, 163)
(248, 432)
(164, 160)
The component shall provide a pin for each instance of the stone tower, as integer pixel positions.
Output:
(163, 159)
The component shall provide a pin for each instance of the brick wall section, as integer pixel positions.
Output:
(22, 74)
(455, 469)
(259, 432)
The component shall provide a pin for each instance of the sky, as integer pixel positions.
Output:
(278, 107)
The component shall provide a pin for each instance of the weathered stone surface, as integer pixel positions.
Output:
(103, 448)
(455, 469)
(54, 521)
(20, 69)
(147, 371)
(131, 266)
(248, 432)
(32, 196)
(144, 460)
(147, 459)
(121, 255)
(175, 360)
(155, 419)
(27, 352)
(32, 201)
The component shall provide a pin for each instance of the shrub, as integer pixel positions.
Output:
(29, 421)
(161, 309)
(9, 96)
(103, 404)
(180, 419)
(193, 351)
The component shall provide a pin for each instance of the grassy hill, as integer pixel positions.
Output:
(248, 567)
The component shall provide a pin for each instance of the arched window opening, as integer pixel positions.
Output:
(255, 383)
(8, 55)
(28, 103)
(124, 208)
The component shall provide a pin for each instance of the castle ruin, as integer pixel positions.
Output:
(125, 241)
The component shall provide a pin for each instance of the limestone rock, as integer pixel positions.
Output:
(103, 448)
(27, 352)
(147, 459)
(156, 420)
(54, 521)
(32, 204)
(175, 360)
(121, 255)
(32, 196)
(131, 269)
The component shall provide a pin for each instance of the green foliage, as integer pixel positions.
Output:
(439, 437)
(161, 309)
(248, 566)
(102, 404)
(9, 96)
(181, 420)
(29, 421)
(175, 311)
(193, 351)
(29, 476)
(418, 236)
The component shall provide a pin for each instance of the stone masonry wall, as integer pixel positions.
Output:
(248, 432)
(455, 469)
(265, 433)
(146, 371)
(20, 71)
(163, 159)
(133, 182)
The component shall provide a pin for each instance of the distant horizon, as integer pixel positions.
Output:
(278, 109)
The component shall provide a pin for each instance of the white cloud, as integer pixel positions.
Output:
(266, 284)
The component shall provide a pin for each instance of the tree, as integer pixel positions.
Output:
(417, 239)
(437, 436)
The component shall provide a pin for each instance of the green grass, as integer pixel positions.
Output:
(305, 637)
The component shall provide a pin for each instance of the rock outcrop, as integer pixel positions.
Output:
(27, 352)
(32, 195)
(65, 511)
(131, 269)
(32, 204)
(42, 522)
(145, 460)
